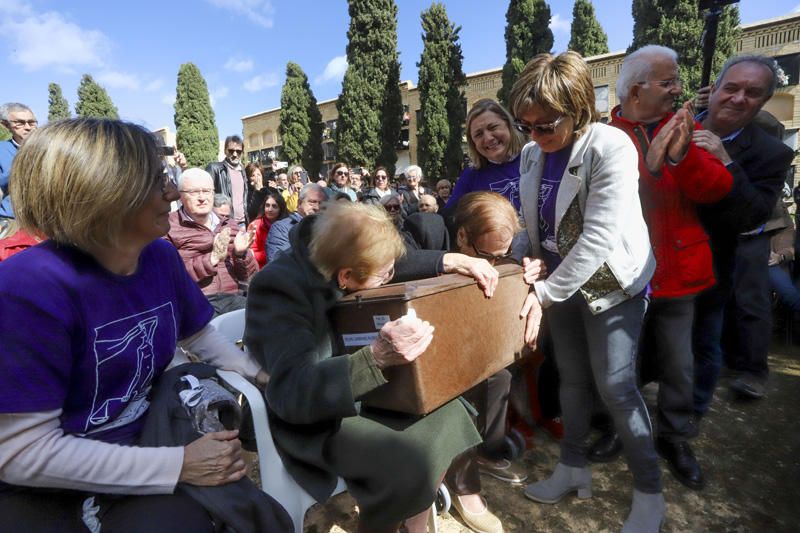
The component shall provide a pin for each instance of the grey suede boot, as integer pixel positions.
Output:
(564, 480)
(647, 513)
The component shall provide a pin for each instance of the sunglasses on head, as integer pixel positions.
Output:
(541, 129)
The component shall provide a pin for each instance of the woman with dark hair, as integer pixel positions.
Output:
(380, 187)
(273, 209)
(255, 177)
(494, 146)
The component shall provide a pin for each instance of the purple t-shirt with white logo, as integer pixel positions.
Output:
(555, 164)
(80, 338)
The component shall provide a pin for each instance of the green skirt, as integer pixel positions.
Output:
(393, 463)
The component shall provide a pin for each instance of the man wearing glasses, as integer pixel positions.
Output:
(215, 252)
(20, 121)
(675, 176)
(230, 179)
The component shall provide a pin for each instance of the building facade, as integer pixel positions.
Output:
(778, 38)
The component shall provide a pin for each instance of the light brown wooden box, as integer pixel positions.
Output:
(474, 338)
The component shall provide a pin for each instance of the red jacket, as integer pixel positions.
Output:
(194, 242)
(259, 246)
(680, 244)
(21, 240)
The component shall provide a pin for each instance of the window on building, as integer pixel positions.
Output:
(254, 139)
(269, 137)
(790, 64)
(402, 142)
(601, 99)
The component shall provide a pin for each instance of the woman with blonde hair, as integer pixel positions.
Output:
(581, 207)
(91, 318)
(494, 147)
(392, 463)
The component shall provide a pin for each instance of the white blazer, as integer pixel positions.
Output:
(602, 176)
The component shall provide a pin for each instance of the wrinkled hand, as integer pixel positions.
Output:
(657, 152)
(533, 270)
(220, 247)
(401, 341)
(701, 98)
(213, 459)
(679, 144)
(712, 144)
(774, 259)
(478, 269)
(532, 313)
(243, 240)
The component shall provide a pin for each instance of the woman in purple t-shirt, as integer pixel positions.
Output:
(90, 319)
(494, 147)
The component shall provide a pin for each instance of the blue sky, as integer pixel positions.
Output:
(134, 49)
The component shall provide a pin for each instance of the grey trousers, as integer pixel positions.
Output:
(601, 349)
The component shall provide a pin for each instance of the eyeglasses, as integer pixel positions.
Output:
(392, 208)
(491, 257)
(386, 277)
(297, 172)
(541, 129)
(664, 84)
(197, 192)
(22, 123)
(169, 182)
(342, 173)
(379, 177)
(234, 152)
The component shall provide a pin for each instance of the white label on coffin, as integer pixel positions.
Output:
(359, 339)
(380, 320)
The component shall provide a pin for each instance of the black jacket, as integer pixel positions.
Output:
(222, 185)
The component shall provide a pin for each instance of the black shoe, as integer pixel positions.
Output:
(682, 463)
(605, 449)
(749, 386)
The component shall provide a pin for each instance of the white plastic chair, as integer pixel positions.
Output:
(275, 479)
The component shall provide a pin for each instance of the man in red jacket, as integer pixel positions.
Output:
(675, 175)
(216, 253)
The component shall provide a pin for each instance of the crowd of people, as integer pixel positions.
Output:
(637, 239)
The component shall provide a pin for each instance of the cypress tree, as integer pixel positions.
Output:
(58, 107)
(456, 107)
(93, 100)
(586, 35)
(527, 34)
(301, 122)
(391, 119)
(196, 128)
(678, 24)
(371, 58)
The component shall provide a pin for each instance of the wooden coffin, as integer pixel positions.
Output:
(474, 337)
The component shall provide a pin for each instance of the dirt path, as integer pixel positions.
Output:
(750, 452)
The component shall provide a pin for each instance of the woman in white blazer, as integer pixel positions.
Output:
(580, 201)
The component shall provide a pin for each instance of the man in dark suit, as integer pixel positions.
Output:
(735, 224)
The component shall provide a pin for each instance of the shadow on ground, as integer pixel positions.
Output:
(750, 451)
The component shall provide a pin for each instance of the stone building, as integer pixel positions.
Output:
(778, 37)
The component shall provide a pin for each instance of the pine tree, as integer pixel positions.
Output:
(371, 58)
(586, 35)
(442, 104)
(93, 100)
(196, 129)
(678, 24)
(527, 34)
(300, 121)
(58, 108)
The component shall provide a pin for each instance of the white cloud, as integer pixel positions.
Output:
(168, 99)
(796, 8)
(257, 11)
(559, 24)
(217, 94)
(261, 82)
(118, 80)
(334, 70)
(41, 40)
(239, 64)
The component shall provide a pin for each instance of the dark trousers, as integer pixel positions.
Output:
(781, 282)
(602, 349)
(225, 302)
(56, 511)
(666, 357)
(752, 308)
(490, 399)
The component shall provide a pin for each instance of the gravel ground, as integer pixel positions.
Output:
(749, 451)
